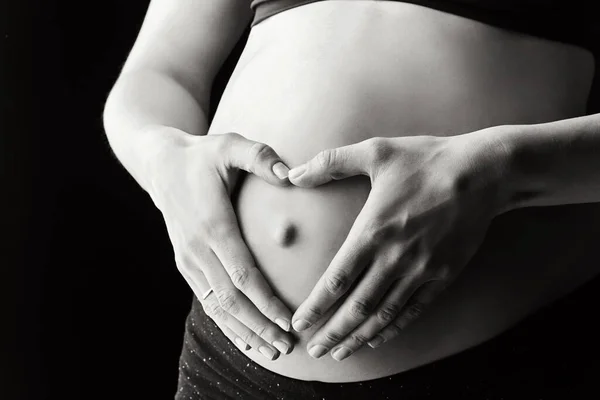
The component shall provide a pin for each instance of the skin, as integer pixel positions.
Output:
(156, 121)
(243, 304)
(431, 203)
(328, 95)
(417, 230)
(159, 101)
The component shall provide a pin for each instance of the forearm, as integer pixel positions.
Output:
(142, 101)
(552, 163)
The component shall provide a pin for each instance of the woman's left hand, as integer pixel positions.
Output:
(431, 202)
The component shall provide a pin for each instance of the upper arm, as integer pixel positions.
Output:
(189, 39)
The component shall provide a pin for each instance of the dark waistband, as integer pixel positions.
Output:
(264, 9)
(573, 25)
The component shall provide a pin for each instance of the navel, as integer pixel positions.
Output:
(286, 234)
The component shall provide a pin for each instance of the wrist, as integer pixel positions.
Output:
(490, 165)
(162, 146)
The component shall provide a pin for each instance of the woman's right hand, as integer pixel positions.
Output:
(191, 184)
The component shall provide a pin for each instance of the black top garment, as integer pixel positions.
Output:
(567, 21)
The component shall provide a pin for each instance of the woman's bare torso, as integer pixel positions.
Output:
(333, 73)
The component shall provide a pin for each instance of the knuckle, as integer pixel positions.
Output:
(260, 330)
(259, 152)
(387, 313)
(228, 300)
(336, 283)
(421, 271)
(325, 158)
(194, 244)
(213, 310)
(223, 145)
(376, 232)
(240, 276)
(379, 149)
(333, 337)
(397, 255)
(183, 263)
(314, 312)
(361, 308)
(248, 336)
(359, 339)
(372, 233)
(413, 311)
(233, 135)
(379, 228)
(215, 229)
(394, 329)
(266, 307)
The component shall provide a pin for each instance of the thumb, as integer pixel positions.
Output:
(257, 158)
(331, 164)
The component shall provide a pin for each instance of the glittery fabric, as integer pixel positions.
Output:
(211, 367)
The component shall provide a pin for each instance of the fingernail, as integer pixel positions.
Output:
(241, 343)
(284, 324)
(340, 353)
(376, 341)
(280, 170)
(300, 325)
(282, 346)
(267, 352)
(317, 351)
(296, 172)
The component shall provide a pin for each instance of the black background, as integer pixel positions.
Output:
(92, 304)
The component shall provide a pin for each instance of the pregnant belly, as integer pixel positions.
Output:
(323, 75)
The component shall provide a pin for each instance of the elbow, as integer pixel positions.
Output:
(109, 113)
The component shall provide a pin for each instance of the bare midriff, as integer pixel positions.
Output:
(334, 73)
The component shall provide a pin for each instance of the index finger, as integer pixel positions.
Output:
(230, 248)
(351, 259)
